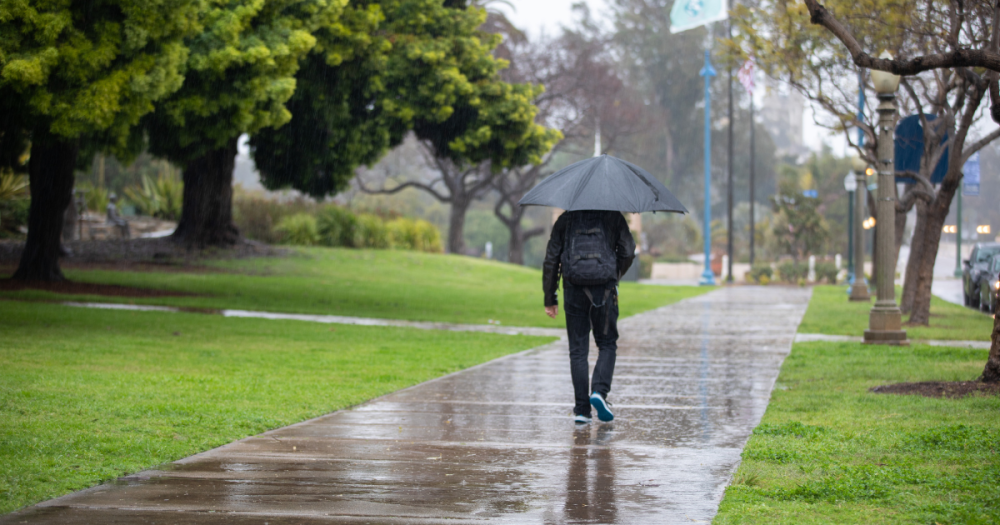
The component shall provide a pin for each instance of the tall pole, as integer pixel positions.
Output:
(958, 237)
(859, 288)
(885, 322)
(729, 191)
(707, 71)
(850, 236)
(753, 231)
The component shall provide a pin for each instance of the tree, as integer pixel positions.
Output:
(799, 230)
(240, 73)
(583, 92)
(811, 60)
(471, 124)
(71, 71)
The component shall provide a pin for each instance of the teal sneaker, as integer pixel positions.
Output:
(581, 419)
(602, 407)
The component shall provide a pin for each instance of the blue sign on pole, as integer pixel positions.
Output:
(689, 14)
(812, 194)
(909, 143)
(970, 179)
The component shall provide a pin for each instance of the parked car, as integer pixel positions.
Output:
(988, 284)
(972, 269)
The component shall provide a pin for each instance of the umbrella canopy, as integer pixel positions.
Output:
(603, 183)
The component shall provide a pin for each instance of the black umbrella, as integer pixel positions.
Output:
(603, 183)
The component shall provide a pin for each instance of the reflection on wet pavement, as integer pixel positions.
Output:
(496, 443)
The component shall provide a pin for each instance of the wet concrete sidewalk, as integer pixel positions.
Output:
(496, 443)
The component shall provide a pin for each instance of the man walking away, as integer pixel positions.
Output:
(591, 250)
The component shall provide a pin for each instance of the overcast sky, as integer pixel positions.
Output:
(535, 15)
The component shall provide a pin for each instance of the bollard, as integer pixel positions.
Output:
(724, 273)
(812, 269)
(836, 260)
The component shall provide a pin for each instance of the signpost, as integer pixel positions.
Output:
(691, 14)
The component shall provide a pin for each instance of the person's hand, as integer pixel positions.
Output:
(552, 311)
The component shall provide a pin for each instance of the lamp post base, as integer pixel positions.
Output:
(859, 291)
(885, 325)
(707, 278)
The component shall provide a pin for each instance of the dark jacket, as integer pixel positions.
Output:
(621, 239)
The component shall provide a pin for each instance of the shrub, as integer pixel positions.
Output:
(13, 214)
(645, 266)
(161, 198)
(827, 270)
(298, 229)
(760, 270)
(96, 196)
(792, 272)
(428, 237)
(336, 226)
(371, 232)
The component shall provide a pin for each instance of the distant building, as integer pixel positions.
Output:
(781, 115)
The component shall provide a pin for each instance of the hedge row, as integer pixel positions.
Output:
(336, 226)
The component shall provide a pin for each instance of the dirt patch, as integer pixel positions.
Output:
(949, 389)
(75, 288)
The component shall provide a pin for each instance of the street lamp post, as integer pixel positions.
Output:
(885, 322)
(851, 185)
(859, 288)
(707, 71)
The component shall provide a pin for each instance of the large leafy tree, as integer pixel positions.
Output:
(240, 73)
(426, 67)
(812, 60)
(72, 70)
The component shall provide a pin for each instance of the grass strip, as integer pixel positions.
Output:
(828, 451)
(367, 283)
(831, 313)
(87, 396)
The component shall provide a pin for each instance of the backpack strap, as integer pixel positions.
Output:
(604, 304)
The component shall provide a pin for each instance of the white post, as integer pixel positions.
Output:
(489, 250)
(812, 269)
(725, 265)
(836, 260)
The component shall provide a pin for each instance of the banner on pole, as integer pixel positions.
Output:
(689, 14)
(970, 179)
(745, 75)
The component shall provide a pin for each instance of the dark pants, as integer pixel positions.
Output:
(581, 317)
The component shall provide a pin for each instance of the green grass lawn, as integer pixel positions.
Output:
(368, 283)
(831, 313)
(90, 395)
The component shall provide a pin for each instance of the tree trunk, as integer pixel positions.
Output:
(936, 214)
(913, 263)
(516, 255)
(50, 172)
(991, 374)
(207, 213)
(456, 225)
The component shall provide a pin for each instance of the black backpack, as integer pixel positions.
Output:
(588, 259)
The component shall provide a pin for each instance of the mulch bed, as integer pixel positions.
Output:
(949, 389)
(75, 288)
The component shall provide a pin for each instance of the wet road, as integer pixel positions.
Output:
(496, 443)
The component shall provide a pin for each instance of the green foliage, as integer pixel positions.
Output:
(336, 226)
(95, 197)
(256, 216)
(410, 234)
(298, 229)
(399, 65)
(161, 198)
(826, 270)
(13, 215)
(645, 263)
(88, 396)
(829, 451)
(798, 228)
(12, 185)
(391, 284)
(759, 270)
(239, 74)
(371, 232)
(84, 68)
(793, 272)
